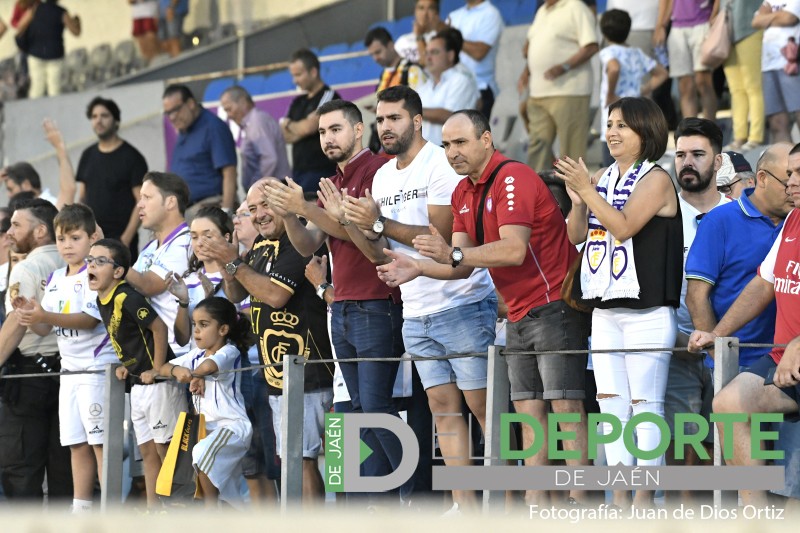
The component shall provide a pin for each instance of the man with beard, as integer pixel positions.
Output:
(412, 197)
(698, 147)
(107, 172)
(29, 407)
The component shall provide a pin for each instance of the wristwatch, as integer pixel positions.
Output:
(566, 67)
(456, 256)
(321, 290)
(233, 266)
(377, 226)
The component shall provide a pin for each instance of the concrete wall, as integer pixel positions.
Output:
(142, 126)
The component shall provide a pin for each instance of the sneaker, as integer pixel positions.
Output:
(748, 146)
(453, 512)
(734, 146)
(572, 503)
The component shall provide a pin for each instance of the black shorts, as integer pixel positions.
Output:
(550, 327)
(766, 366)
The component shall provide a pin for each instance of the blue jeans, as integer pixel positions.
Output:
(261, 458)
(371, 328)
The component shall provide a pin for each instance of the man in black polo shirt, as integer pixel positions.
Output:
(299, 126)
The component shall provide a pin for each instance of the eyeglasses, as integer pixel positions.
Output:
(99, 261)
(169, 113)
(239, 216)
(784, 183)
(728, 188)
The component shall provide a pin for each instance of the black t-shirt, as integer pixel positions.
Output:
(109, 179)
(299, 328)
(45, 34)
(127, 316)
(307, 153)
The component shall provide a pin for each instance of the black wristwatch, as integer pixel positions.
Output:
(233, 266)
(456, 256)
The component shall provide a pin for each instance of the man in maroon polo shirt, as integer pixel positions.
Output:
(366, 314)
(525, 247)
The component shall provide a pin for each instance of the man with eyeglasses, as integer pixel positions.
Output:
(734, 175)
(698, 143)
(204, 155)
(777, 279)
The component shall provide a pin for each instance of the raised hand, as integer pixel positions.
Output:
(332, 200)
(30, 312)
(177, 287)
(317, 270)
(207, 284)
(401, 269)
(363, 212)
(433, 246)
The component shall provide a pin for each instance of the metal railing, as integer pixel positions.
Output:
(726, 367)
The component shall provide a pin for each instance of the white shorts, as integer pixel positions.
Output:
(683, 47)
(219, 456)
(80, 409)
(155, 410)
(315, 405)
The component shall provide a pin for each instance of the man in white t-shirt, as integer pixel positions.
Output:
(481, 25)
(411, 196)
(448, 88)
(162, 203)
(411, 46)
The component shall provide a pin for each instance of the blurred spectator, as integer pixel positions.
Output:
(734, 175)
(690, 23)
(40, 34)
(22, 177)
(263, 148)
(205, 154)
(145, 27)
(481, 24)
(743, 72)
(427, 22)
(448, 89)
(170, 24)
(560, 42)
(110, 176)
(780, 82)
(299, 126)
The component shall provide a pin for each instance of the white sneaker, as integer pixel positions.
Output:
(453, 512)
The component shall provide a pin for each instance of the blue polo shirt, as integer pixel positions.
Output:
(200, 154)
(732, 240)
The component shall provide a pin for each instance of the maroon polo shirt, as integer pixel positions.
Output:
(518, 197)
(354, 276)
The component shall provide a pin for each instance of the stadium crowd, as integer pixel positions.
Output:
(416, 236)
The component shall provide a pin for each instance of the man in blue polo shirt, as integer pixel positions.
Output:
(205, 154)
(731, 242)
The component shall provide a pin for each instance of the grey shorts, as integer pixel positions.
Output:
(690, 389)
(315, 404)
(781, 92)
(683, 46)
(170, 30)
(550, 327)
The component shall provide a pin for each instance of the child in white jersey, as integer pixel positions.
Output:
(221, 335)
(70, 307)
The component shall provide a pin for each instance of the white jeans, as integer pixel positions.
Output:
(45, 76)
(637, 379)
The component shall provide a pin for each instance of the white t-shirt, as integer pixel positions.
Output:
(4, 276)
(482, 23)
(455, 90)
(404, 195)
(144, 9)
(776, 37)
(406, 45)
(643, 13)
(689, 214)
(172, 256)
(80, 349)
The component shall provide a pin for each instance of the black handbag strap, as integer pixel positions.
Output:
(479, 221)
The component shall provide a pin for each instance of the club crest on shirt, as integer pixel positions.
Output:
(142, 313)
(13, 291)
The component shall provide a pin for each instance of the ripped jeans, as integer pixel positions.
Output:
(637, 381)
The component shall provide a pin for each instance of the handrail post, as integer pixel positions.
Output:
(497, 395)
(113, 439)
(292, 413)
(726, 367)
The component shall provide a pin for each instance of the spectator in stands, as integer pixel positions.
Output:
(481, 25)
(5, 247)
(299, 126)
(634, 299)
(40, 34)
(734, 175)
(560, 42)
(29, 407)
(205, 154)
(427, 23)
(743, 72)
(690, 386)
(447, 89)
(440, 317)
(781, 25)
(171, 14)
(110, 176)
(289, 318)
(145, 27)
(528, 254)
(689, 23)
(752, 391)
(624, 68)
(161, 207)
(263, 148)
